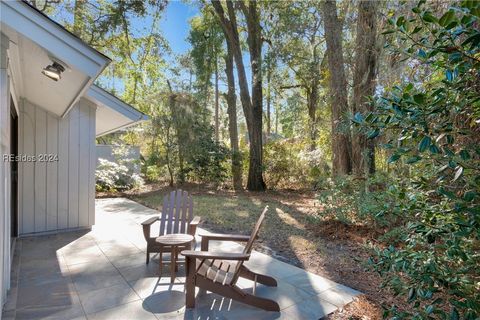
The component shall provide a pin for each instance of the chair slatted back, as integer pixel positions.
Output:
(249, 245)
(177, 212)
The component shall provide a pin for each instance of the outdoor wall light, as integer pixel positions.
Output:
(54, 71)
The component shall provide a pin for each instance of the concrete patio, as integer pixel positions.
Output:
(101, 274)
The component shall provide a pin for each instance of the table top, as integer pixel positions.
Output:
(174, 239)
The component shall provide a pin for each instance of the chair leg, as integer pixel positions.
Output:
(173, 263)
(160, 264)
(260, 278)
(190, 282)
(148, 257)
(176, 260)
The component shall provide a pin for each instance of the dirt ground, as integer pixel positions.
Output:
(327, 248)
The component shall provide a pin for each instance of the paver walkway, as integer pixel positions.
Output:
(101, 274)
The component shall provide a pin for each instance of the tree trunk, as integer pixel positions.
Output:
(167, 156)
(277, 112)
(175, 119)
(217, 122)
(232, 121)
(312, 96)
(255, 174)
(252, 108)
(269, 98)
(78, 18)
(341, 141)
(366, 53)
(312, 102)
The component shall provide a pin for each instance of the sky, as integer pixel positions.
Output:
(174, 22)
(175, 25)
(175, 28)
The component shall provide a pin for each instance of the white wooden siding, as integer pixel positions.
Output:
(40, 169)
(73, 167)
(27, 194)
(62, 196)
(91, 168)
(57, 195)
(52, 172)
(4, 172)
(84, 175)
(20, 168)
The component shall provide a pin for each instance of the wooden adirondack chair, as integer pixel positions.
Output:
(218, 272)
(176, 217)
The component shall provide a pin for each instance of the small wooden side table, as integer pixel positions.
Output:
(172, 242)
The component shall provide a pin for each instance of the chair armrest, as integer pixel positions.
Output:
(220, 236)
(146, 227)
(150, 221)
(225, 237)
(192, 226)
(195, 220)
(215, 255)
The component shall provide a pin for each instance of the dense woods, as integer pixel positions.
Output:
(375, 106)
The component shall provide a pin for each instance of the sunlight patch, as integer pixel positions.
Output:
(300, 244)
(288, 219)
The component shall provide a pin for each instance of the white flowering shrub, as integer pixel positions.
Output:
(111, 176)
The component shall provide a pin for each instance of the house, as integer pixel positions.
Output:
(50, 114)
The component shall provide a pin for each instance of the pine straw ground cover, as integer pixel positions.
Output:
(328, 248)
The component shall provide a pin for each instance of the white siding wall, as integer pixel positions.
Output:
(57, 195)
(4, 172)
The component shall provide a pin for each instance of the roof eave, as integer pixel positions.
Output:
(33, 24)
(104, 97)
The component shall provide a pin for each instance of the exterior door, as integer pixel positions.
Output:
(14, 170)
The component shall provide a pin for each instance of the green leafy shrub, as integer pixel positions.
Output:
(340, 199)
(207, 161)
(152, 172)
(289, 165)
(434, 146)
(354, 201)
(183, 146)
(281, 164)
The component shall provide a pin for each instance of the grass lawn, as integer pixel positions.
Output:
(327, 249)
(283, 230)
